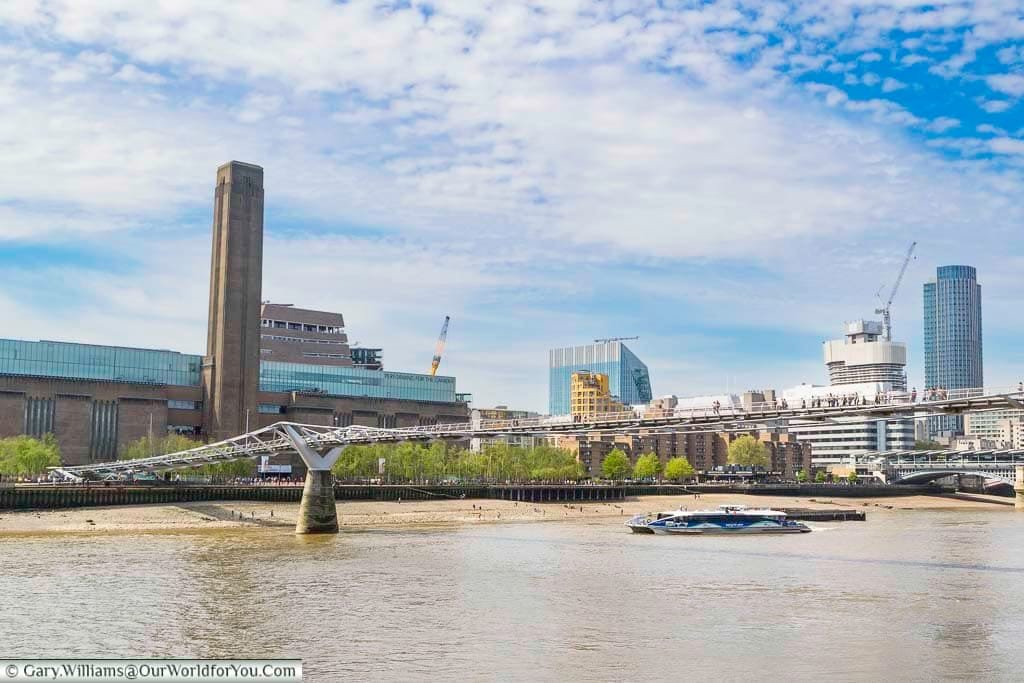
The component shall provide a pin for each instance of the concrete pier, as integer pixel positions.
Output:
(318, 513)
(1018, 488)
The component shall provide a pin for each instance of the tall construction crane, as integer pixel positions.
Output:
(613, 339)
(884, 310)
(439, 349)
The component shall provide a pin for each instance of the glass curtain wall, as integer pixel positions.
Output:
(629, 381)
(110, 363)
(351, 381)
(952, 337)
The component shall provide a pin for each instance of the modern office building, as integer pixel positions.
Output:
(1002, 427)
(863, 365)
(629, 382)
(952, 337)
(264, 363)
(833, 443)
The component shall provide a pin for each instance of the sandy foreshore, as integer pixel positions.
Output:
(372, 514)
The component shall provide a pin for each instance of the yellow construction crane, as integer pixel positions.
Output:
(439, 349)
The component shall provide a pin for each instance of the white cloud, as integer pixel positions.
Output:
(258, 106)
(1004, 145)
(1011, 84)
(942, 124)
(892, 85)
(1010, 55)
(499, 157)
(988, 128)
(994, 106)
(129, 73)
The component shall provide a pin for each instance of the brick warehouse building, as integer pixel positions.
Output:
(264, 363)
(704, 450)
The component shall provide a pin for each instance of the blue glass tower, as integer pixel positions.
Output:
(952, 337)
(628, 379)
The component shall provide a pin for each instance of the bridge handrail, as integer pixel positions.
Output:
(273, 438)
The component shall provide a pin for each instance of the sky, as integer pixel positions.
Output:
(730, 181)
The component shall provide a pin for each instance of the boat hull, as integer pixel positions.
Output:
(720, 531)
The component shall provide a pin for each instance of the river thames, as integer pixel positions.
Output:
(911, 595)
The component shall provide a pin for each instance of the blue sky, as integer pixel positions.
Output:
(728, 180)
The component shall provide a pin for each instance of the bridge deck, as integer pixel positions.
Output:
(275, 438)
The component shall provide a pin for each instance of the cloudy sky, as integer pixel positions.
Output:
(729, 180)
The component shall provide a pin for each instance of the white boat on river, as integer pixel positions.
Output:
(727, 519)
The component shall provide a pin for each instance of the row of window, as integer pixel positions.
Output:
(184, 405)
(301, 327)
(325, 355)
(300, 340)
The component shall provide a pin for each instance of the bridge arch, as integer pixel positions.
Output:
(992, 478)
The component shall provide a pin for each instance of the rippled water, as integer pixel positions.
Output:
(909, 595)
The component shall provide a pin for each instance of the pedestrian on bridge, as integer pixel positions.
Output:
(913, 395)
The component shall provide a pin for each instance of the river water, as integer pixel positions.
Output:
(908, 595)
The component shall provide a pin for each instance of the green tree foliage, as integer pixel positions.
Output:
(440, 461)
(147, 447)
(647, 467)
(615, 465)
(801, 476)
(852, 477)
(927, 446)
(175, 443)
(678, 469)
(747, 451)
(821, 477)
(24, 456)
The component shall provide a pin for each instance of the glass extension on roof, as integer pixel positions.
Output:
(64, 360)
(359, 382)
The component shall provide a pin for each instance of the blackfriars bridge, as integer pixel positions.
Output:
(997, 467)
(320, 446)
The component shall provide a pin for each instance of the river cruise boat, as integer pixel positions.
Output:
(727, 519)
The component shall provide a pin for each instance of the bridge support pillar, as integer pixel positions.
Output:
(1018, 488)
(318, 513)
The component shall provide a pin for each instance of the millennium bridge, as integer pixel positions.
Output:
(320, 446)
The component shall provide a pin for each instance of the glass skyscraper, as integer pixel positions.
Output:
(628, 379)
(952, 337)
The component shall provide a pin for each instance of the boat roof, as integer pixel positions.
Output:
(727, 510)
